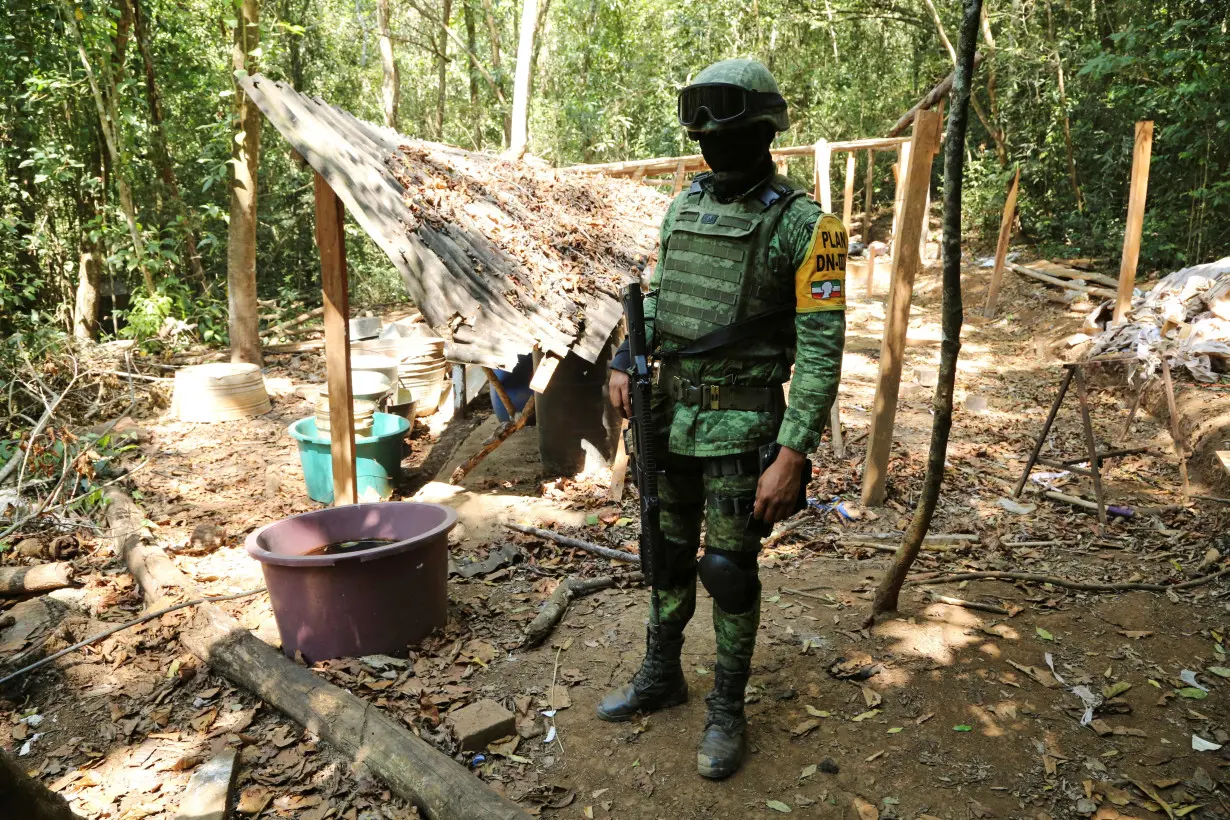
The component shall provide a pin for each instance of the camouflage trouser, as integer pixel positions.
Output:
(686, 495)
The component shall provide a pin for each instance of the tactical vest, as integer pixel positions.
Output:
(715, 263)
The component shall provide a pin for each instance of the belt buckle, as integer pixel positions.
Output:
(714, 396)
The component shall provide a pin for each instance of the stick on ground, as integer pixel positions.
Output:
(576, 543)
(556, 605)
(1085, 586)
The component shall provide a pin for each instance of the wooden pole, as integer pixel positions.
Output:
(847, 202)
(823, 188)
(1001, 247)
(783, 166)
(901, 171)
(331, 240)
(869, 186)
(677, 185)
(1141, 152)
(871, 271)
(923, 146)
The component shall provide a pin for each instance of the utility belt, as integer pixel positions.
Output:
(754, 462)
(723, 396)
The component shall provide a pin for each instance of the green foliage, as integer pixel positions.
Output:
(604, 84)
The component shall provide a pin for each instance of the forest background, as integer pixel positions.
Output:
(125, 142)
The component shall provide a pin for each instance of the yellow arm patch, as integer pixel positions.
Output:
(820, 282)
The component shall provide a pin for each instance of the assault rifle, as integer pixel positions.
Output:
(654, 558)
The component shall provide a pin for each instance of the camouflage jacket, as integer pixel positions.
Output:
(809, 248)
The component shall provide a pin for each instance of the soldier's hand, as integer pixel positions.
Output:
(619, 391)
(779, 486)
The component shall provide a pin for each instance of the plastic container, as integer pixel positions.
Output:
(364, 416)
(377, 458)
(365, 385)
(219, 391)
(375, 601)
(374, 362)
(516, 383)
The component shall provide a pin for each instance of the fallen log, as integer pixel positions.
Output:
(408, 765)
(556, 605)
(577, 543)
(1092, 290)
(21, 796)
(39, 578)
(295, 322)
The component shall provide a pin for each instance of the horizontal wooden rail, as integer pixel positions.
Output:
(692, 163)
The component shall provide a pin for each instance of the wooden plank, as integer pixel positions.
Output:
(822, 188)
(500, 437)
(900, 171)
(677, 184)
(543, 372)
(459, 391)
(839, 445)
(871, 271)
(208, 795)
(1064, 272)
(847, 204)
(783, 166)
(1001, 246)
(498, 387)
(331, 240)
(923, 147)
(1223, 458)
(869, 188)
(1059, 283)
(619, 472)
(1141, 151)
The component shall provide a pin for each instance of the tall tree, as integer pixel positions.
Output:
(476, 112)
(390, 86)
(243, 310)
(162, 153)
(442, 67)
(105, 94)
(521, 85)
(493, 36)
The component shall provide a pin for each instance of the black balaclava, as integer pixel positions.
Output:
(739, 157)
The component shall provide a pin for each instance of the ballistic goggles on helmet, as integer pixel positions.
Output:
(724, 102)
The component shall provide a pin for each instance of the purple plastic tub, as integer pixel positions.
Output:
(375, 601)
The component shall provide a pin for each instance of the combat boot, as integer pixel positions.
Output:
(722, 745)
(658, 684)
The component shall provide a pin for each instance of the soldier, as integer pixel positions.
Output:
(750, 279)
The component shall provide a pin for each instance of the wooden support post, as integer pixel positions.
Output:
(871, 271)
(847, 203)
(1141, 152)
(823, 188)
(498, 387)
(923, 146)
(331, 240)
(459, 391)
(900, 172)
(1176, 431)
(869, 187)
(783, 166)
(1001, 247)
(680, 171)
(1091, 445)
(839, 445)
(1046, 431)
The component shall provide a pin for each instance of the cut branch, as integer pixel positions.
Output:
(577, 543)
(1084, 586)
(29, 580)
(556, 605)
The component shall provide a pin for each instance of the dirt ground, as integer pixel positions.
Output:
(940, 711)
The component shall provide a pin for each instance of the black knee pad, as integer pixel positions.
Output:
(731, 578)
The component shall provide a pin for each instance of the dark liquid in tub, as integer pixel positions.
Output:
(351, 546)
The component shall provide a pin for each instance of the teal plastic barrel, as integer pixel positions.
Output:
(377, 458)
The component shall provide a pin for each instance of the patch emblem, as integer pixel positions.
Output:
(819, 283)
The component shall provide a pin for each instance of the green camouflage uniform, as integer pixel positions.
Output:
(692, 434)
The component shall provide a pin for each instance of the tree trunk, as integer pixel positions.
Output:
(161, 152)
(442, 68)
(997, 136)
(24, 797)
(521, 85)
(476, 113)
(89, 280)
(1063, 110)
(244, 313)
(390, 86)
(493, 34)
(104, 95)
(540, 29)
(954, 164)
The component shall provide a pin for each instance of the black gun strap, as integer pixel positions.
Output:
(732, 333)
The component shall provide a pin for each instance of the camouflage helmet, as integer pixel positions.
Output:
(732, 94)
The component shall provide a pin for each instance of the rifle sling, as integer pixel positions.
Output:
(732, 333)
